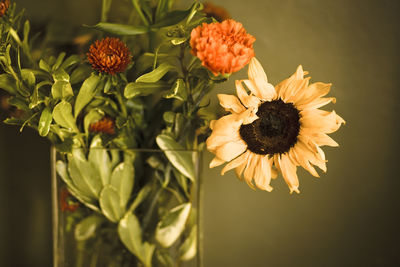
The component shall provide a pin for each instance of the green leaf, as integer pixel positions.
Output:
(137, 6)
(80, 74)
(70, 61)
(44, 122)
(177, 155)
(134, 89)
(120, 29)
(143, 193)
(44, 65)
(84, 198)
(60, 75)
(59, 60)
(178, 91)
(28, 77)
(99, 158)
(8, 83)
(110, 203)
(84, 175)
(172, 18)
(86, 228)
(105, 8)
(172, 225)
(61, 90)
(178, 41)
(189, 247)
(86, 93)
(93, 115)
(130, 233)
(156, 74)
(122, 179)
(20, 103)
(62, 115)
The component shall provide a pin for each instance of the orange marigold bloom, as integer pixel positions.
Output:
(105, 125)
(109, 55)
(4, 7)
(223, 47)
(217, 12)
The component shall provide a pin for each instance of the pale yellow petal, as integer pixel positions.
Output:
(314, 91)
(289, 173)
(262, 175)
(288, 86)
(303, 155)
(322, 139)
(235, 163)
(231, 150)
(250, 169)
(258, 83)
(317, 121)
(230, 103)
(239, 170)
(216, 162)
(249, 101)
(317, 103)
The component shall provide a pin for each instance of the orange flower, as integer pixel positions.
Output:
(217, 12)
(109, 55)
(223, 47)
(4, 7)
(105, 125)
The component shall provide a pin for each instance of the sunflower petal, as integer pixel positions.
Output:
(262, 175)
(258, 83)
(235, 163)
(289, 173)
(230, 103)
(248, 101)
(216, 162)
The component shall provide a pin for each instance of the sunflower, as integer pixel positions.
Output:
(273, 130)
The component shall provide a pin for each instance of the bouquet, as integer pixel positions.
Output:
(128, 118)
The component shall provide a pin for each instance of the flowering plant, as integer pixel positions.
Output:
(143, 84)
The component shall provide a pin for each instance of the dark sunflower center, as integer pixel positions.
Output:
(276, 129)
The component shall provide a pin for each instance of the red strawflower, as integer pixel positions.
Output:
(105, 125)
(110, 55)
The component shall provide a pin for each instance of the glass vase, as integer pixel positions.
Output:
(116, 208)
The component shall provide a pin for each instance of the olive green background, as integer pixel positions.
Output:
(348, 217)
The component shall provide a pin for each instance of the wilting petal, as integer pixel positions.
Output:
(258, 83)
(289, 173)
(250, 169)
(231, 150)
(248, 101)
(235, 163)
(230, 103)
(317, 121)
(303, 155)
(239, 170)
(262, 175)
(284, 89)
(314, 91)
(317, 103)
(216, 162)
(322, 139)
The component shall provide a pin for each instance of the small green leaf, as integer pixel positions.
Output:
(44, 122)
(28, 77)
(93, 115)
(8, 83)
(84, 175)
(86, 93)
(59, 60)
(80, 74)
(110, 203)
(70, 61)
(86, 228)
(62, 115)
(61, 90)
(189, 247)
(122, 179)
(143, 193)
(60, 75)
(178, 91)
(130, 233)
(44, 65)
(177, 155)
(134, 89)
(178, 41)
(172, 225)
(20, 103)
(99, 158)
(156, 74)
(120, 29)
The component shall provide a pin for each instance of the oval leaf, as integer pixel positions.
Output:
(141, 89)
(120, 29)
(189, 248)
(172, 225)
(122, 179)
(86, 93)
(44, 122)
(130, 233)
(99, 158)
(177, 155)
(86, 228)
(156, 74)
(110, 203)
(62, 115)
